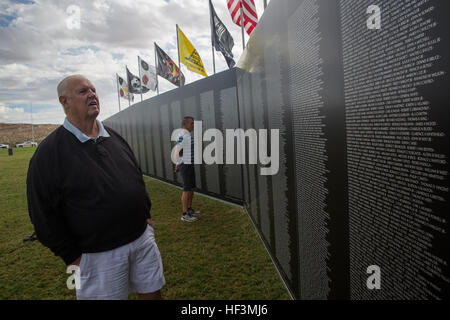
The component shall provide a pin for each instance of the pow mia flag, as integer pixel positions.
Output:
(134, 83)
(220, 37)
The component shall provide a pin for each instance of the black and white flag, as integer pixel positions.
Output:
(220, 37)
(148, 75)
(134, 83)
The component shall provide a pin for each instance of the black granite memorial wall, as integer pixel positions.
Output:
(148, 125)
(359, 91)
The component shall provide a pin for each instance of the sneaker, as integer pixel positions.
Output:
(32, 237)
(187, 217)
(192, 212)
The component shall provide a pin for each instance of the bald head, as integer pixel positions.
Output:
(62, 86)
(79, 98)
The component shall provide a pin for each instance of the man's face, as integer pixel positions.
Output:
(80, 99)
(190, 125)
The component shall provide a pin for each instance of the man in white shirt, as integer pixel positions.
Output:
(185, 163)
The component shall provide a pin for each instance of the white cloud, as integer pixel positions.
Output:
(49, 114)
(8, 114)
(39, 49)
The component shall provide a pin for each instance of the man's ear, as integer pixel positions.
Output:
(63, 100)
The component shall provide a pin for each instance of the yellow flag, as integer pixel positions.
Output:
(189, 56)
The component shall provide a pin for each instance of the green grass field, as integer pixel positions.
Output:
(218, 257)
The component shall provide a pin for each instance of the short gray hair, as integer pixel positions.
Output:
(62, 86)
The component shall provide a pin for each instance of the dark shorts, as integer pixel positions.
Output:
(188, 174)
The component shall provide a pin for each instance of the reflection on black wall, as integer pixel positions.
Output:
(148, 125)
(363, 119)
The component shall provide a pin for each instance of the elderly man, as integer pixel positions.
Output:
(88, 203)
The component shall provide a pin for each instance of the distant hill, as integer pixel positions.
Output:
(12, 133)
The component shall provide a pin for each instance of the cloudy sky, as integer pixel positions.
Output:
(41, 42)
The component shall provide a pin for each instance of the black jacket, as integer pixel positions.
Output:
(85, 197)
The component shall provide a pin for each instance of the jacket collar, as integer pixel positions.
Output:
(80, 135)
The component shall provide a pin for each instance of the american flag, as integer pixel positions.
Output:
(250, 15)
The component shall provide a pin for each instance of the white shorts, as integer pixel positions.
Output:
(111, 275)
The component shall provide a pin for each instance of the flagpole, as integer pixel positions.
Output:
(32, 128)
(212, 44)
(179, 64)
(242, 24)
(156, 67)
(118, 94)
(214, 59)
(140, 78)
(129, 92)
